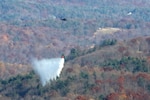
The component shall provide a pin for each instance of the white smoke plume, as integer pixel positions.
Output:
(48, 69)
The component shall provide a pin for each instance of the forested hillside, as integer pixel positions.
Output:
(109, 71)
(106, 44)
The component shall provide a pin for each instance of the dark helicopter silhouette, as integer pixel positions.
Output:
(63, 19)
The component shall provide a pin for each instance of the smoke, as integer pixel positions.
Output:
(48, 69)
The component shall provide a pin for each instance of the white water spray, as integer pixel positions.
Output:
(48, 69)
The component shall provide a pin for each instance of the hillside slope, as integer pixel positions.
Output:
(100, 74)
